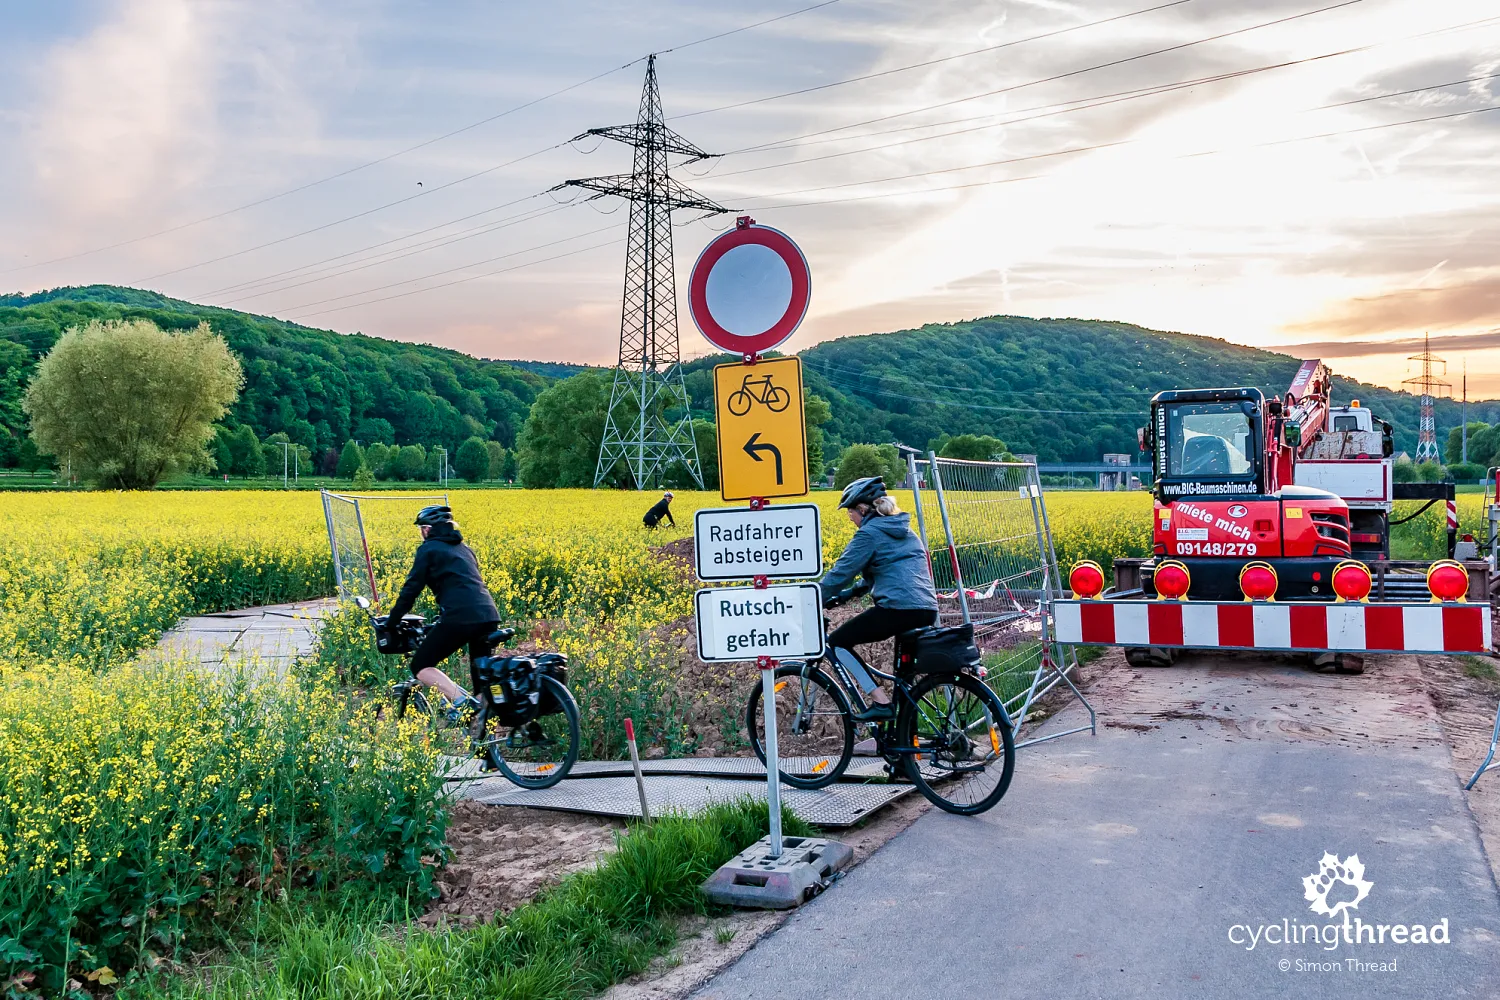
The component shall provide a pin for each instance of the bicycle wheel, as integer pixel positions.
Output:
(777, 398)
(535, 754)
(814, 729)
(972, 751)
(738, 402)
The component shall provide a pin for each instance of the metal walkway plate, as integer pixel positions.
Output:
(861, 769)
(836, 806)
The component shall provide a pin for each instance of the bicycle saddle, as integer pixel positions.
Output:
(499, 635)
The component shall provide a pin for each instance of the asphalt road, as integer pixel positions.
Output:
(1119, 866)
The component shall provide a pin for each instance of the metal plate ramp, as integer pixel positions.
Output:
(861, 769)
(840, 805)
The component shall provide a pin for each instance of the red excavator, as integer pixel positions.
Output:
(1287, 499)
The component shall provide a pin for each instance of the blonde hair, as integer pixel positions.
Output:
(886, 506)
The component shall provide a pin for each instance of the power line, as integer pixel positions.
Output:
(357, 215)
(1077, 72)
(858, 389)
(460, 281)
(409, 149)
(404, 252)
(1108, 99)
(450, 270)
(1083, 149)
(933, 62)
(736, 31)
(819, 365)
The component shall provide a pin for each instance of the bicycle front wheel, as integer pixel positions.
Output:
(412, 702)
(537, 753)
(814, 729)
(968, 751)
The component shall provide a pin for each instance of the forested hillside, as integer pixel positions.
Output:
(318, 387)
(1063, 389)
(1013, 378)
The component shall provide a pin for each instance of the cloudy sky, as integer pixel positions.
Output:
(1301, 176)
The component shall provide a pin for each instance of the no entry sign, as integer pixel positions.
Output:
(749, 289)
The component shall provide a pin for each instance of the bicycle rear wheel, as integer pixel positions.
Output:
(969, 752)
(814, 729)
(537, 753)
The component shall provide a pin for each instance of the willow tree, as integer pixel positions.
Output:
(125, 402)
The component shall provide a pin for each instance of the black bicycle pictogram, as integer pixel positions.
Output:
(758, 390)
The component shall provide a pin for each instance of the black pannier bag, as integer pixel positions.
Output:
(518, 677)
(936, 649)
(554, 665)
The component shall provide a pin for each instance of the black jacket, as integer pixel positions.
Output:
(662, 508)
(448, 566)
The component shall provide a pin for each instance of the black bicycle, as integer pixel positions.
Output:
(951, 735)
(526, 726)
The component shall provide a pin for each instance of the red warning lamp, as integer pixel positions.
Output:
(1258, 581)
(1087, 580)
(1172, 580)
(1448, 580)
(1351, 580)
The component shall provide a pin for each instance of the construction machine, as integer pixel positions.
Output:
(1286, 501)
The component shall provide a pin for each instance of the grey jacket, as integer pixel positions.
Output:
(892, 559)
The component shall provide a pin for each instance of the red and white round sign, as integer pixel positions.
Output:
(749, 289)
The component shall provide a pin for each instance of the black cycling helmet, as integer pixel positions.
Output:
(434, 515)
(866, 490)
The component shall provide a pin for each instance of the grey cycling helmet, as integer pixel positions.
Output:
(866, 490)
(434, 515)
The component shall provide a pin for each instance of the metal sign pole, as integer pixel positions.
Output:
(773, 761)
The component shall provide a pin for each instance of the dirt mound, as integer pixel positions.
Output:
(502, 857)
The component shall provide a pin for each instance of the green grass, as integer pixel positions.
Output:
(592, 930)
(1480, 668)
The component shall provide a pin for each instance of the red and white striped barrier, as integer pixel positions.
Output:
(1452, 515)
(1375, 628)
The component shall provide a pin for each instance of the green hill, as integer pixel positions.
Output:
(1008, 375)
(1064, 389)
(319, 387)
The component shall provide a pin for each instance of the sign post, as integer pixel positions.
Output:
(773, 756)
(748, 292)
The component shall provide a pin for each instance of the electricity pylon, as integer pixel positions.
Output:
(1427, 447)
(648, 379)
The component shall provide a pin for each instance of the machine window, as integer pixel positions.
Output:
(1209, 439)
(1346, 423)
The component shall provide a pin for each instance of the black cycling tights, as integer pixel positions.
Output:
(875, 625)
(443, 640)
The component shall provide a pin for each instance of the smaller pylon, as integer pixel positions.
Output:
(1427, 446)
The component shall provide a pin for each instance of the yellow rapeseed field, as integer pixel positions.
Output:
(139, 798)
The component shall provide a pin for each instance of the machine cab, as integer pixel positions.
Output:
(1207, 443)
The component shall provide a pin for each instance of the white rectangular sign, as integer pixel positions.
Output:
(742, 623)
(735, 543)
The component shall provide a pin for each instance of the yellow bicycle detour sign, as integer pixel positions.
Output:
(762, 433)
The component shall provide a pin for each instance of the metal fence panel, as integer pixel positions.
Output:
(351, 521)
(990, 547)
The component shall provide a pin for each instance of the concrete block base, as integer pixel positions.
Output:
(755, 880)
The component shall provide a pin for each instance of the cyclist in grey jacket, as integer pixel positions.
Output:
(893, 562)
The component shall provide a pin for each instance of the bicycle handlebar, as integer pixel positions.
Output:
(845, 596)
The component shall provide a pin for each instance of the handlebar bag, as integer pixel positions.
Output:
(401, 639)
(937, 649)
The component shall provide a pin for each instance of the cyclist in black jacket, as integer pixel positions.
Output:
(449, 567)
(661, 509)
